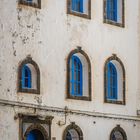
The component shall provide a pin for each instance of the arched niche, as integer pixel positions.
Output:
(117, 63)
(73, 132)
(34, 76)
(86, 77)
(118, 134)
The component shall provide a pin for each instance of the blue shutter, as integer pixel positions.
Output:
(81, 6)
(76, 76)
(115, 10)
(108, 8)
(73, 5)
(29, 78)
(115, 83)
(72, 76)
(26, 77)
(23, 77)
(112, 10)
(108, 81)
(81, 79)
(77, 5)
(112, 87)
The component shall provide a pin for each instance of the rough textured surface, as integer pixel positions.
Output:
(48, 35)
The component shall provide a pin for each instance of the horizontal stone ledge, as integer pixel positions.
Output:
(67, 111)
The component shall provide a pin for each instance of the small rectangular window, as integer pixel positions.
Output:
(79, 8)
(33, 3)
(114, 12)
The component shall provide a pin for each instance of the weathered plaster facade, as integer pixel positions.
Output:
(48, 35)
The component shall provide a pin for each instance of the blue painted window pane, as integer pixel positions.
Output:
(35, 135)
(76, 76)
(77, 5)
(26, 77)
(31, 136)
(112, 10)
(111, 81)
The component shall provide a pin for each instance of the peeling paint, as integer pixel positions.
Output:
(49, 35)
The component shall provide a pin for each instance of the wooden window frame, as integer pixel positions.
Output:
(108, 21)
(35, 5)
(78, 3)
(79, 14)
(112, 10)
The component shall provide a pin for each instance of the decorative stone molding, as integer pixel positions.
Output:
(76, 128)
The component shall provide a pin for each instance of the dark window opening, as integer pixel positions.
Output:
(35, 135)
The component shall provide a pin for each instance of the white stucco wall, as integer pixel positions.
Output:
(48, 35)
(95, 128)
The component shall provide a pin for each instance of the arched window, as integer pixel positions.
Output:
(73, 132)
(114, 81)
(78, 75)
(29, 76)
(118, 134)
(35, 132)
(26, 77)
(34, 127)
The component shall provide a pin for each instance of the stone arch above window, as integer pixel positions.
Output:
(114, 81)
(118, 134)
(78, 75)
(34, 127)
(28, 76)
(73, 132)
